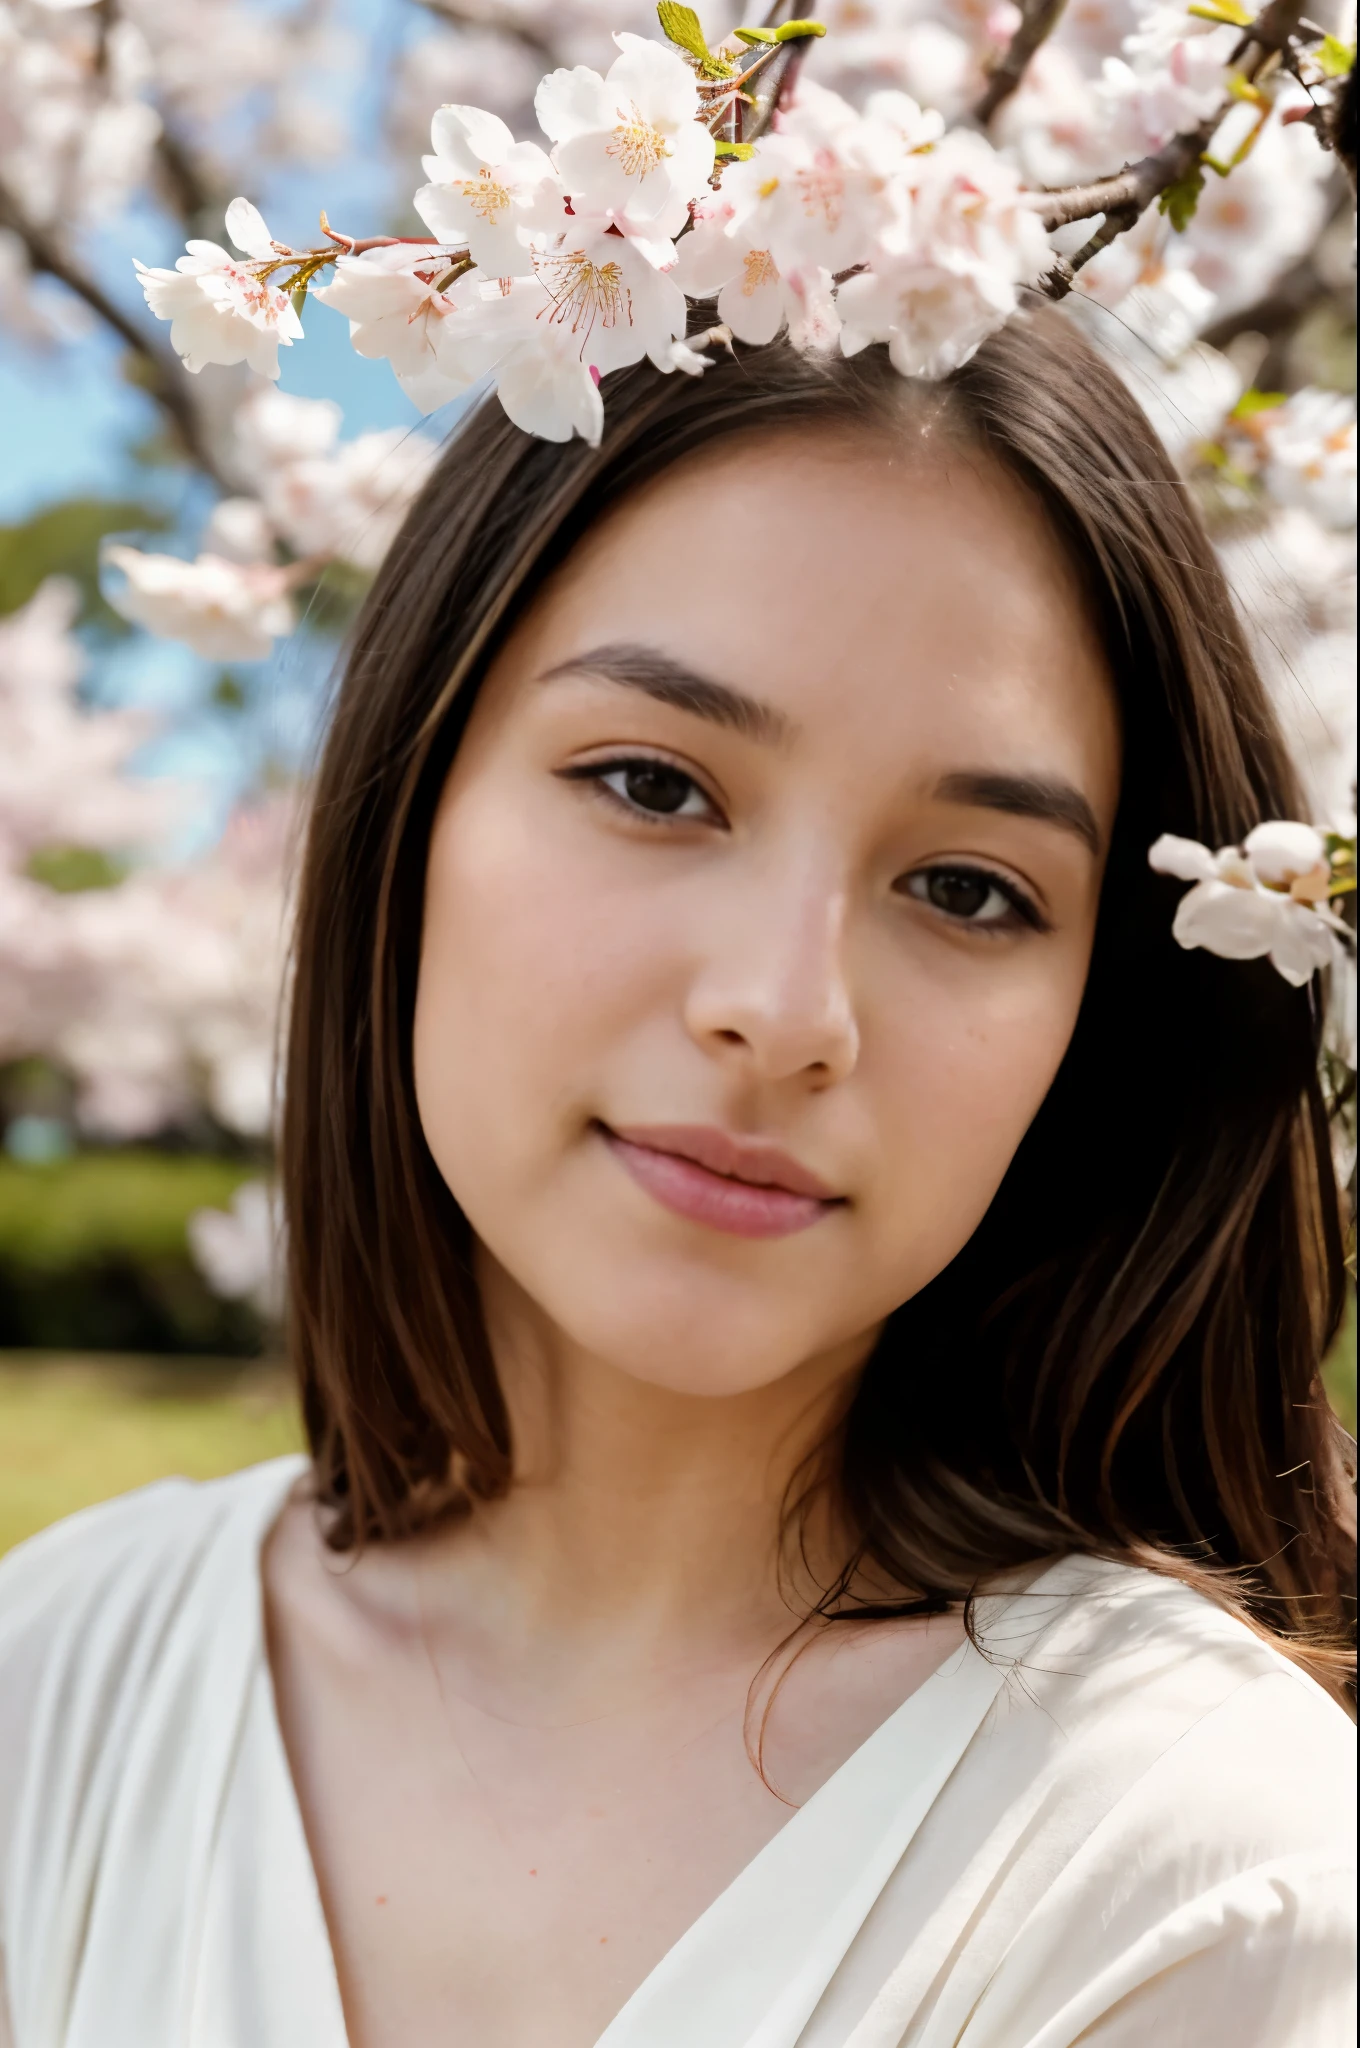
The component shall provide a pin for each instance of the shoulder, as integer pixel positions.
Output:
(123, 1549)
(1203, 1756)
(1177, 1800)
(1099, 1639)
(95, 1609)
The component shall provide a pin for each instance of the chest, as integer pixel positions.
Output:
(509, 1886)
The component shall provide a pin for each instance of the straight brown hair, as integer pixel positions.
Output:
(1124, 1359)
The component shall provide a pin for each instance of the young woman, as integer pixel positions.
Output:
(822, 1525)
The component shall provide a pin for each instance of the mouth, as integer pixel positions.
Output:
(740, 1185)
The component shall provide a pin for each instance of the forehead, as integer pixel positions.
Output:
(915, 595)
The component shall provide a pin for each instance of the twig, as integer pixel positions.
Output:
(162, 376)
(1037, 24)
(1125, 198)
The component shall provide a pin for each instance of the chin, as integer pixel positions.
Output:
(676, 1325)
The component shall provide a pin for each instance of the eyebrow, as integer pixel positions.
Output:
(1025, 796)
(635, 667)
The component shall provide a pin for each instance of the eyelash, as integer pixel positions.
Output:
(598, 773)
(1023, 911)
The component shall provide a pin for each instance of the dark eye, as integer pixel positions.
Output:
(656, 788)
(653, 786)
(969, 896)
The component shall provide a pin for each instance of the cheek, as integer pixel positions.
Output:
(957, 1087)
(528, 972)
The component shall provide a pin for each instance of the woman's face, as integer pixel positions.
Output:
(760, 902)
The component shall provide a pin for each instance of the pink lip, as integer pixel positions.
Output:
(740, 1185)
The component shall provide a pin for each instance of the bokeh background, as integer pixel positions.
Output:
(151, 786)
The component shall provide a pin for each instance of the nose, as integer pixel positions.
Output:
(772, 992)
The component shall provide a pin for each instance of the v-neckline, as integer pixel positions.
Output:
(781, 1967)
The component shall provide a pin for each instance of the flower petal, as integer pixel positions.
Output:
(465, 138)
(548, 392)
(1237, 924)
(246, 227)
(575, 102)
(1302, 943)
(1280, 850)
(1184, 858)
(655, 80)
(752, 305)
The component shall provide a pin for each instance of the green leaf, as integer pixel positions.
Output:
(1179, 201)
(794, 31)
(1336, 58)
(755, 35)
(1252, 402)
(680, 25)
(299, 299)
(71, 869)
(740, 150)
(1221, 10)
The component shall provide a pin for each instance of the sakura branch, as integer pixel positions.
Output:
(1038, 20)
(1174, 174)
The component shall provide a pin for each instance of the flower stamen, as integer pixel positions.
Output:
(637, 145)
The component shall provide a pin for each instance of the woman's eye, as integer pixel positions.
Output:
(970, 896)
(657, 788)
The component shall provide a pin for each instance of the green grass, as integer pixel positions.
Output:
(78, 1430)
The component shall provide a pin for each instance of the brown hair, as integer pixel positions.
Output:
(1124, 1358)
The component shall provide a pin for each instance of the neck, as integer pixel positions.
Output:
(640, 1516)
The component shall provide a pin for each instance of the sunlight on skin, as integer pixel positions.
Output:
(658, 921)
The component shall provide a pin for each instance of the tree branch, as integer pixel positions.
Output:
(485, 14)
(1038, 21)
(161, 375)
(189, 192)
(1125, 198)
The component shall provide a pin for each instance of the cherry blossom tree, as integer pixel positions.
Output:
(603, 185)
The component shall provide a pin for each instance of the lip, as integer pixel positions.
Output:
(741, 1185)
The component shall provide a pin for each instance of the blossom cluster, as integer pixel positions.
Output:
(156, 991)
(872, 205)
(315, 499)
(550, 266)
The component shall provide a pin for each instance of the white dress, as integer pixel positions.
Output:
(1128, 1823)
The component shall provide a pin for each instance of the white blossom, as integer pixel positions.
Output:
(489, 191)
(594, 304)
(1266, 214)
(628, 146)
(64, 771)
(221, 311)
(829, 180)
(948, 276)
(1255, 899)
(350, 502)
(225, 611)
(239, 1250)
(728, 256)
(395, 310)
(276, 427)
(1309, 455)
(1172, 76)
